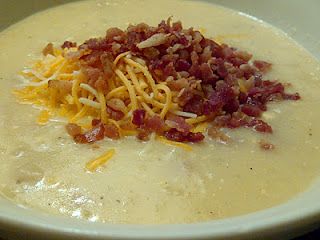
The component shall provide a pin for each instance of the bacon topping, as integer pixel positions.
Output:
(210, 79)
(138, 117)
(73, 129)
(95, 134)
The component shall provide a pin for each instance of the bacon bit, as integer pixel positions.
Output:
(251, 110)
(195, 105)
(194, 137)
(154, 124)
(264, 145)
(73, 129)
(107, 64)
(95, 122)
(111, 131)
(182, 65)
(217, 134)
(174, 135)
(138, 117)
(93, 135)
(64, 87)
(143, 135)
(115, 115)
(260, 126)
(262, 65)
(68, 44)
(212, 79)
(295, 96)
(178, 123)
(48, 49)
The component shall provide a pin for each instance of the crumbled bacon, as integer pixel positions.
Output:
(251, 110)
(143, 135)
(194, 137)
(138, 117)
(262, 65)
(264, 145)
(111, 131)
(210, 79)
(64, 87)
(114, 114)
(73, 129)
(178, 123)
(68, 44)
(260, 126)
(154, 124)
(93, 135)
(48, 49)
(177, 136)
(217, 134)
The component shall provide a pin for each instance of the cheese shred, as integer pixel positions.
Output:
(57, 83)
(175, 144)
(94, 164)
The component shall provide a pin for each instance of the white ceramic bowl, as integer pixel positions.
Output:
(299, 19)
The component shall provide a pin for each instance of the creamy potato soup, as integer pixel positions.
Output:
(151, 182)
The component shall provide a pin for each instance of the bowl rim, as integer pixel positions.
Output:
(268, 222)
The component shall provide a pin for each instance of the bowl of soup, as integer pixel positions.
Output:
(246, 171)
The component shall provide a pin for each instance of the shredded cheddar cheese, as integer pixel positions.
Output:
(57, 83)
(43, 117)
(201, 127)
(94, 164)
(175, 144)
(132, 82)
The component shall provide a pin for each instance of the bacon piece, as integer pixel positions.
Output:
(138, 117)
(178, 123)
(182, 65)
(64, 87)
(260, 126)
(154, 124)
(48, 49)
(251, 110)
(194, 137)
(215, 80)
(111, 131)
(195, 105)
(217, 134)
(114, 114)
(143, 135)
(115, 34)
(91, 136)
(295, 96)
(264, 145)
(262, 65)
(174, 135)
(68, 44)
(73, 129)
(107, 64)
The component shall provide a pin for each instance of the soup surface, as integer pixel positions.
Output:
(153, 183)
